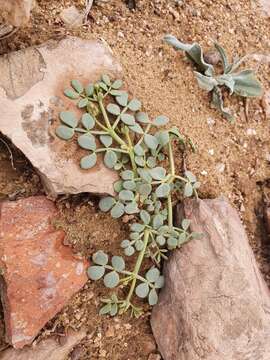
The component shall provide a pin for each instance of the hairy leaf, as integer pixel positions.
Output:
(87, 162)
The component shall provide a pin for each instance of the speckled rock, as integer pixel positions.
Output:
(40, 274)
(16, 12)
(32, 82)
(47, 349)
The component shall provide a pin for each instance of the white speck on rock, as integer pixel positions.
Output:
(251, 132)
(79, 268)
(204, 172)
(220, 167)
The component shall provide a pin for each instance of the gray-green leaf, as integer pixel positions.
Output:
(68, 118)
(152, 297)
(128, 119)
(111, 279)
(106, 140)
(145, 217)
(70, 93)
(113, 109)
(95, 272)
(152, 275)
(126, 195)
(188, 190)
(77, 86)
(87, 141)
(157, 221)
(142, 290)
(118, 263)
(100, 258)
(122, 99)
(150, 141)
(131, 208)
(142, 117)
(106, 203)
(160, 120)
(117, 84)
(88, 121)
(134, 105)
(158, 173)
(64, 132)
(87, 162)
(110, 159)
(118, 210)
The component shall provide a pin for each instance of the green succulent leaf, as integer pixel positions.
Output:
(139, 245)
(194, 53)
(129, 251)
(157, 221)
(100, 258)
(106, 203)
(118, 186)
(125, 243)
(70, 93)
(246, 84)
(106, 79)
(142, 117)
(142, 290)
(145, 175)
(88, 121)
(137, 129)
(160, 120)
(128, 119)
(188, 190)
(126, 195)
(95, 272)
(118, 263)
(113, 109)
(118, 210)
(89, 161)
(152, 275)
(127, 175)
(82, 103)
(110, 159)
(159, 282)
(131, 208)
(111, 280)
(106, 140)
(160, 239)
(137, 227)
(77, 86)
(106, 309)
(163, 190)
(117, 84)
(138, 149)
(144, 189)
(223, 56)
(185, 224)
(68, 118)
(139, 160)
(145, 217)
(158, 173)
(129, 185)
(87, 141)
(205, 82)
(191, 177)
(150, 141)
(122, 99)
(134, 105)
(89, 90)
(64, 132)
(163, 138)
(172, 243)
(152, 297)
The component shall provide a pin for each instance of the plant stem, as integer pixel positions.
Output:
(171, 159)
(170, 211)
(113, 149)
(138, 266)
(131, 151)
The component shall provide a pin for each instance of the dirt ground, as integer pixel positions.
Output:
(230, 159)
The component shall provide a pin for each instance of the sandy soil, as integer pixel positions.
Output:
(230, 159)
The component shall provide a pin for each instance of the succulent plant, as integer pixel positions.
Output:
(243, 83)
(135, 146)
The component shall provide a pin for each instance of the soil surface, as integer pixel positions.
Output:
(230, 159)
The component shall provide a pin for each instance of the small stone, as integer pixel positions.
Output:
(154, 357)
(47, 349)
(211, 151)
(212, 57)
(40, 274)
(72, 17)
(210, 121)
(220, 167)
(266, 104)
(251, 132)
(204, 172)
(110, 331)
(16, 13)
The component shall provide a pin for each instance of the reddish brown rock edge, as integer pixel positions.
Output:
(215, 304)
(40, 274)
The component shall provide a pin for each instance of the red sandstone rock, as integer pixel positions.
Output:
(39, 272)
(16, 12)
